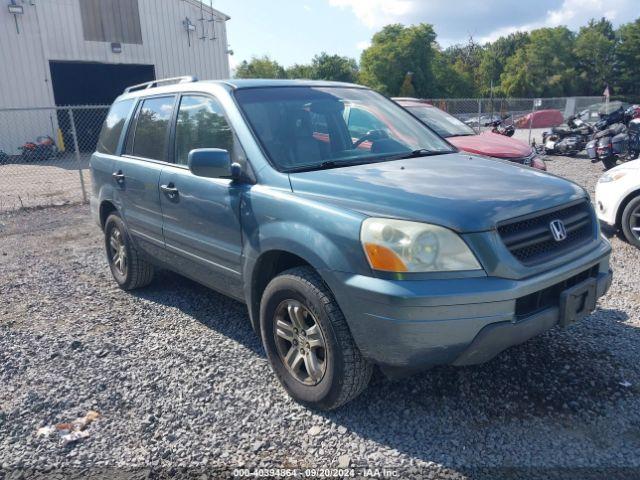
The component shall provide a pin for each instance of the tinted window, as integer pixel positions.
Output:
(112, 127)
(289, 124)
(361, 122)
(150, 138)
(443, 123)
(201, 124)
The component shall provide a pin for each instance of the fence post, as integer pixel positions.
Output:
(479, 113)
(533, 108)
(74, 133)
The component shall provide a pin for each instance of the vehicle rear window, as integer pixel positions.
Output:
(112, 127)
(152, 132)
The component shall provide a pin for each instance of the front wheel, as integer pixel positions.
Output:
(609, 163)
(631, 222)
(308, 342)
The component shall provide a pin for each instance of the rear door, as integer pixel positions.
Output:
(202, 215)
(137, 172)
(107, 151)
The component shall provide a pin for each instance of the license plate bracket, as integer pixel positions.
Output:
(577, 302)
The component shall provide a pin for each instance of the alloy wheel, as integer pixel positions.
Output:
(300, 343)
(634, 222)
(118, 252)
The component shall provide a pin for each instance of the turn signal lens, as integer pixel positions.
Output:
(382, 258)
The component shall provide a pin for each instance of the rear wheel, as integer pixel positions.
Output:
(127, 266)
(631, 222)
(308, 342)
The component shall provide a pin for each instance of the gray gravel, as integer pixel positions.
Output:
(180, 380)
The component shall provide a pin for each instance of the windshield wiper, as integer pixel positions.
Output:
(327, 164)
(422, 152)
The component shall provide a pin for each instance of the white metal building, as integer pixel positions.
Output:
(75, 52)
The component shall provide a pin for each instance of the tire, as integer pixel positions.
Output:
(341, 372)
(630, 220)
(132, 271)
(609, 163)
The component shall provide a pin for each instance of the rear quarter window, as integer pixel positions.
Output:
(113, 126)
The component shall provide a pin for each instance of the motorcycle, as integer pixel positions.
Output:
(498, 126)
(617, 141)
(42, 149)
(569, 140)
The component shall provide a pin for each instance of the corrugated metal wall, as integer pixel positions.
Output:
(52, 30)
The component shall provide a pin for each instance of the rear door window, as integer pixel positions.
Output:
(112, 127)
(152, 128)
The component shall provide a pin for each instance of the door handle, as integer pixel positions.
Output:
(118, 176)
(170, 190)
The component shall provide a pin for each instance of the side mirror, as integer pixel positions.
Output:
(212, 163)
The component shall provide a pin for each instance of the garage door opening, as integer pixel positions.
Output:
(84, 83)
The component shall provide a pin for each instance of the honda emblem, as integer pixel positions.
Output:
(558, 230)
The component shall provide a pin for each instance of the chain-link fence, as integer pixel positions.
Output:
(44, 154)
(530, 116)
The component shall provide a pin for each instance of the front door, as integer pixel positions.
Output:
(137, 172)
(201, 216)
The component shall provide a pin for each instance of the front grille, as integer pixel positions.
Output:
(530, 240)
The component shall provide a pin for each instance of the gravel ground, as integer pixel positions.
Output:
(180, 379)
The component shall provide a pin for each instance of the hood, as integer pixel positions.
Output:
(492, 145)
(462, 192)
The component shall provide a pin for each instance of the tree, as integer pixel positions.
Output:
(334, 67)
(396, 50)
(494, 59)
(595, 54)
(298, 70)
(449, 82)
(406, 89)
(628, 58)
(260, 67)
(544, 67)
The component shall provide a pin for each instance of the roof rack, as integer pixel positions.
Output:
(157, 83)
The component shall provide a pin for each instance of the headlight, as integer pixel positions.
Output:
(612, 176)
(401, 246)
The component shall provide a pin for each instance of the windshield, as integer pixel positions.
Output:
(443, 123)
(325, 127)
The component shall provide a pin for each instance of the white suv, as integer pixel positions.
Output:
(618, 200)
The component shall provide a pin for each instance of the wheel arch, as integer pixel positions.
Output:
(623, 204)
(265, 268)
(107, 207)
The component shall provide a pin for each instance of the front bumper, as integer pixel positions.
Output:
(411, 325)
(607, 201)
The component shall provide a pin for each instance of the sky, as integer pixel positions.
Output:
(293, 31)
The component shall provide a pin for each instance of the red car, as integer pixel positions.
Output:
(467, 139)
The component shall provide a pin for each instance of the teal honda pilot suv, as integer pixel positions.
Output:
(356, 235)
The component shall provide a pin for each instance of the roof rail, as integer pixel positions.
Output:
(157, 83)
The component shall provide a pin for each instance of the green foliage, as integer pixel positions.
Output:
(396, 50)
(494, 59)
(545, 67)
(628, 59)
(595, 54)
(260, 67)
(334, 67)
(407, 61)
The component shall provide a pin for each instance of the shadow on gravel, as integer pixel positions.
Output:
(562, 377)
(214, 310)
